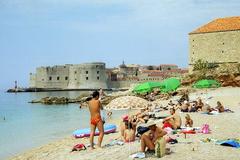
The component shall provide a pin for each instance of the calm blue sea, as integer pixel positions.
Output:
(29, 125)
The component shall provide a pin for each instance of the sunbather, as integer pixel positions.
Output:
(199, 104)
(189, 121)
(129, 132)
(220, 107)
(122, 125)
(174, 121)
(148, 139)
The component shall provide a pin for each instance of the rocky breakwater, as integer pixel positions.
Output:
(56, 100)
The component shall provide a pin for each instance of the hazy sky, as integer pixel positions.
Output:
(46, 32)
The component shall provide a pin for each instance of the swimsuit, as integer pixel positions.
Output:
(94, 120)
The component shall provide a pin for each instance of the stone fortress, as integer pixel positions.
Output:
(95, 75)
(216, 42)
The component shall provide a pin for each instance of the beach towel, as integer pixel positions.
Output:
(138, 155)
(230, 143)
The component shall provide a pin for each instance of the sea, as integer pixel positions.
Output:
(24, 125)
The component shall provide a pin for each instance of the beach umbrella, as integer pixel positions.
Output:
(146, 87)
(206, 83)
(170, 84)
(127, 102)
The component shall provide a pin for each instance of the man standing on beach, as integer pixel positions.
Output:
(96, 120)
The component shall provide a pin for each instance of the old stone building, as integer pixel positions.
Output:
(216, 42)
(96, 75)
(81, 76)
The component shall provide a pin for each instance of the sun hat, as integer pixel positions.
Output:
(150, 123)
(125, 117)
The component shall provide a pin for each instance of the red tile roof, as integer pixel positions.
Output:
(220, 25)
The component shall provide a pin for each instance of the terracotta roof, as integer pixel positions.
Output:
(220, 25)
(168, 65)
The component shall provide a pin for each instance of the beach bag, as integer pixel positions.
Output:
(160, 147)
(79, 147)
(141, 130)
(205, 129)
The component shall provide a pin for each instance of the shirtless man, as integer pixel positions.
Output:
(148, 139)
(96, 120)
(174, 120)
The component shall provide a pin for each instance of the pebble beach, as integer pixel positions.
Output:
(223, 126)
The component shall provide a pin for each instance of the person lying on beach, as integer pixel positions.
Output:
(96, 120)
(174, 121)
(206, 108)
(171, 103)
(220, 107)
(129, 132)
(189, 121)
(149, 139)
(143, 116)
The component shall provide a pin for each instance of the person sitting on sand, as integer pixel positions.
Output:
(189, 121)
(193, 107)
(149, 139)
(185, 106)
(174, 121)
(96, 120)
(220, 107)
(129, 132)
(199, 104)
(123, 126)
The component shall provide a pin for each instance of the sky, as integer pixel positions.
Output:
(37, 33)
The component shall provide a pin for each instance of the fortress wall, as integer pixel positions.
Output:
(88, 76)
(52, 77)
(219, 47)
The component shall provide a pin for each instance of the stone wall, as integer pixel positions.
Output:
(88, 76)
(217, 47)
(52, 77)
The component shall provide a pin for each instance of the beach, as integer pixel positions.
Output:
(223, 126)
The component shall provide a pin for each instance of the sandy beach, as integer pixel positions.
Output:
(223, 126)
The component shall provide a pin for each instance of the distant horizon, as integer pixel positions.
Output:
(49, 32)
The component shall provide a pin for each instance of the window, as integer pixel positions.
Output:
(75, 72)
(98, 78)
(42, 79)
(222, 51)
(86, 78)
(223, 43)
(86, 72)
(192, 52)
(193, 40)
(50, 78)
(66, 78)
(97, 72)
(58, 78)
(75, 79)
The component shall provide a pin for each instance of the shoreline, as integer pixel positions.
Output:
(58, 90)
(223, 126)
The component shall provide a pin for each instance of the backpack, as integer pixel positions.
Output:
(141, 130)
